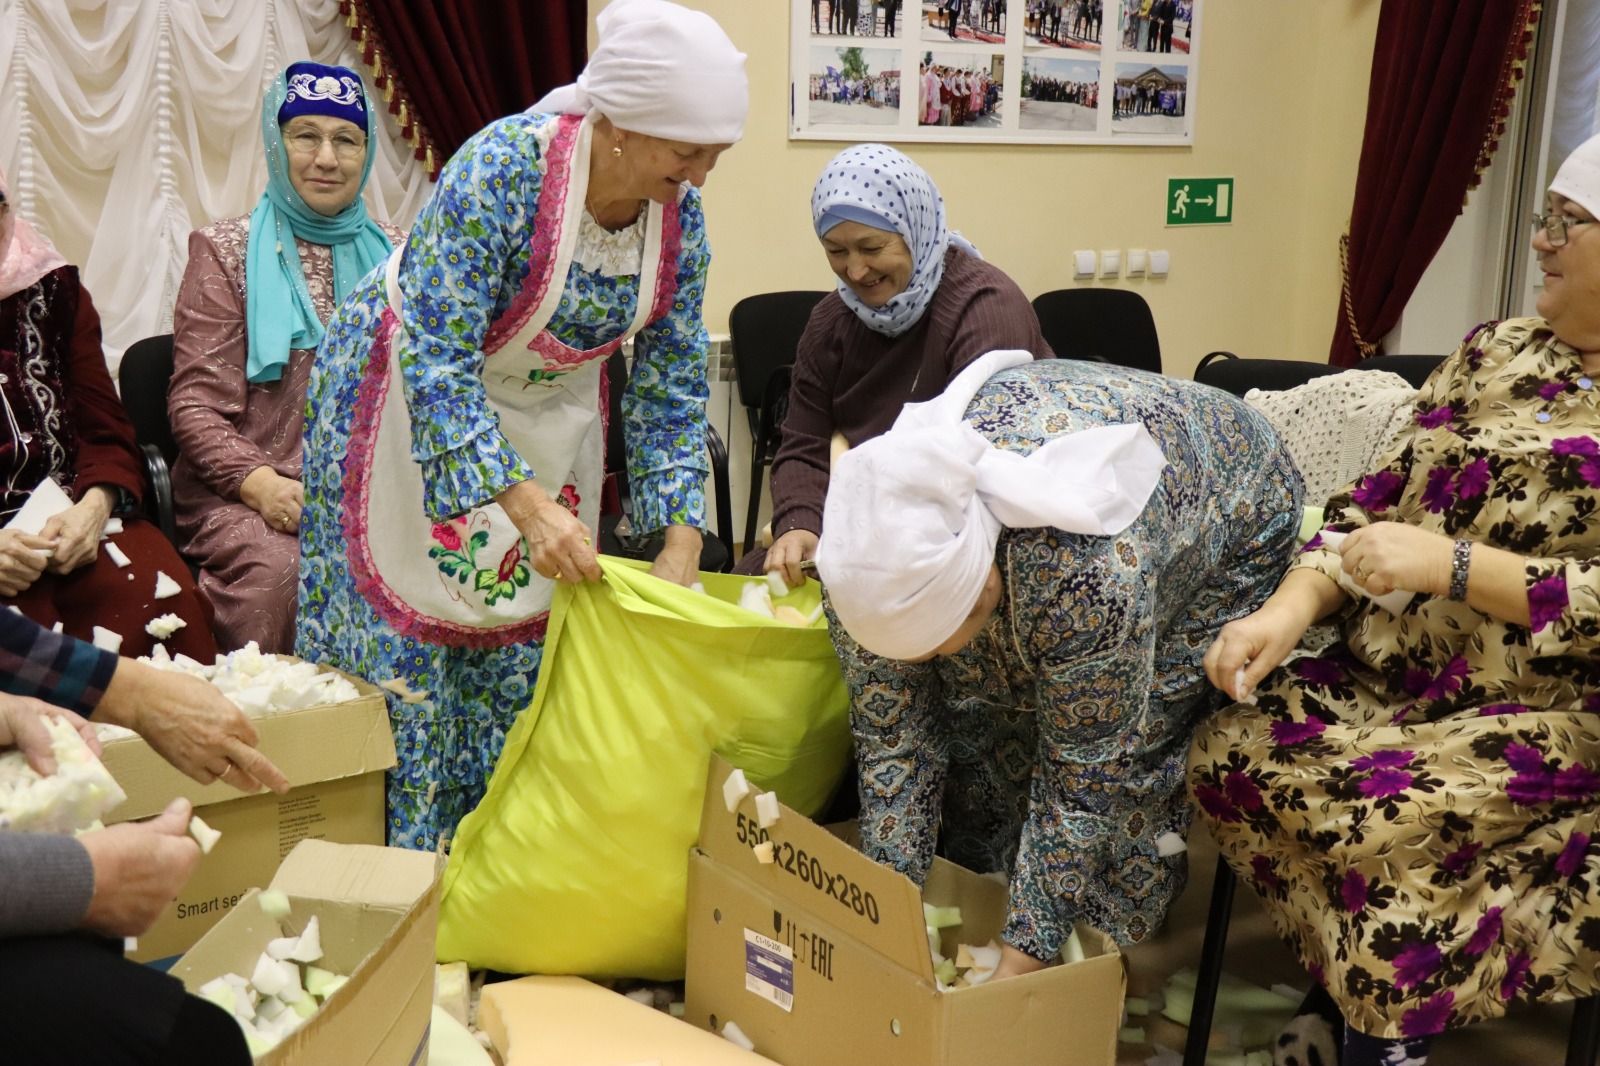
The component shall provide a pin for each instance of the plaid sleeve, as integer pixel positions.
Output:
(51, 666)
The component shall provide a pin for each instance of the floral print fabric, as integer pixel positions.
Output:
(466, 262)
(1053, 745)
(1417, 806)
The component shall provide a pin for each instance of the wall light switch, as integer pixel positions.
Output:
(1159, 262)
(1110, 262)
(1136, 261)
(1083, 264)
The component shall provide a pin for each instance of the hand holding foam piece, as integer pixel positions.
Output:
(1394, 602)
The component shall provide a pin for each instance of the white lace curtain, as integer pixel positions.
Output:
(124, 124)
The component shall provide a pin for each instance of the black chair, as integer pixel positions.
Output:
(766, 333)
(142, 378)
(1226, 371)
(615, 539)
(1109, 325)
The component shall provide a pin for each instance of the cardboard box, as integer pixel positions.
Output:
(334, 756)
(567, 1021)
(378, 909)
(822, 957)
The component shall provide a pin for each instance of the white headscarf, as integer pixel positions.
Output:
(877, 186)
(912, 517)
(662, 70)
(1579, 177)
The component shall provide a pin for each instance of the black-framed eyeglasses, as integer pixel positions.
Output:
(1555, 226)
(309, 142)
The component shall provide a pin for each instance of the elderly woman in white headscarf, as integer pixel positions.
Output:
(1417, 806)
(914, 304)
(454, 435)
(1023, 576)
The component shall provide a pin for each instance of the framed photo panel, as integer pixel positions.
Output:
(1015, 71)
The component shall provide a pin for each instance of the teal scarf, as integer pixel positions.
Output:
(279, 314)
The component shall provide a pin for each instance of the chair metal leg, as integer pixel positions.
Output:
(1210, 971)
(757, 469)
(1583, 1043)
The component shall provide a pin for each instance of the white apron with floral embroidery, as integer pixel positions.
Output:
(468, 581)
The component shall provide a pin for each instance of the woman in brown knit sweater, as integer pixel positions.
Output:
(914, 305)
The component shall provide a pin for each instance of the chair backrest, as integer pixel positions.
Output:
(1239, 376)
(1224, 370)
(1113, 325)
(143, 377)
(1414, 368)
(766, 332)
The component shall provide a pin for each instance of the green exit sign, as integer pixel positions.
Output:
(1199, 201)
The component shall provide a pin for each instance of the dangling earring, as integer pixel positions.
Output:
(616, 150)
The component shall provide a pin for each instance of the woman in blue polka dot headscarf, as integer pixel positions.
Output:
(876, 187)
(915, 303)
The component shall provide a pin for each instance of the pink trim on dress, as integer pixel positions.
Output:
(399, 615)
(667, 276)
(547, 219)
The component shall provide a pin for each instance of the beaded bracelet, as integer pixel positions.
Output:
(1459, 561)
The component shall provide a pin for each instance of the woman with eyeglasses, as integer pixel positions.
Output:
(1419, 806)
(454, 446)
(257, 294)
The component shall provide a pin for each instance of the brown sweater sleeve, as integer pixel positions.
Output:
(800, 470)
(106, 452)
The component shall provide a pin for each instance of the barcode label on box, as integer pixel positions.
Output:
(769, 969)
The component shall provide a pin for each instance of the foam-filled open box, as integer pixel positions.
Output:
(378, 910)
(821, 957)
(334, 756)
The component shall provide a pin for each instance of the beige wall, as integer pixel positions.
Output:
(1281, 102)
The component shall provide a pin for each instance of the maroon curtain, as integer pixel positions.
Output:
(456, 65)
(1442, 80)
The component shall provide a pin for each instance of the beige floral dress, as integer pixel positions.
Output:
(1417, 806)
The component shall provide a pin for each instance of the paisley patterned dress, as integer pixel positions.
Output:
(1417, 806)
(466, 263)
(1052, 747)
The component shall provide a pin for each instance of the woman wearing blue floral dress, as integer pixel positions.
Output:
(454, 432)
(1418, 806)
(1024, 575)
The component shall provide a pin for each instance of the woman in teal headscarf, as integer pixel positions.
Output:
(248, 320)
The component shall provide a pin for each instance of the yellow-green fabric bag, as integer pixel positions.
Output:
(576, 861)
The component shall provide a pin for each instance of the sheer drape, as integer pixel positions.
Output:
(1442, 79)
(127, 123)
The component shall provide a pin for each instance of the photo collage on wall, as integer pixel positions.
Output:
(1021, 71)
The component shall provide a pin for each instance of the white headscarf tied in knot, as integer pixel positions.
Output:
(1579, 177)
(912, 517)
(662, 70)
(880, 187)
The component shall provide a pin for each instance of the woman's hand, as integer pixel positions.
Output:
(277, 499)
(1386, 556)
(22, 727)
(1249, 648)
(559, 546)
(678, 561)
(189, 723)
(23, 557)
(788, 552)
(77, 530)
(139, 867)
(1015, 963)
